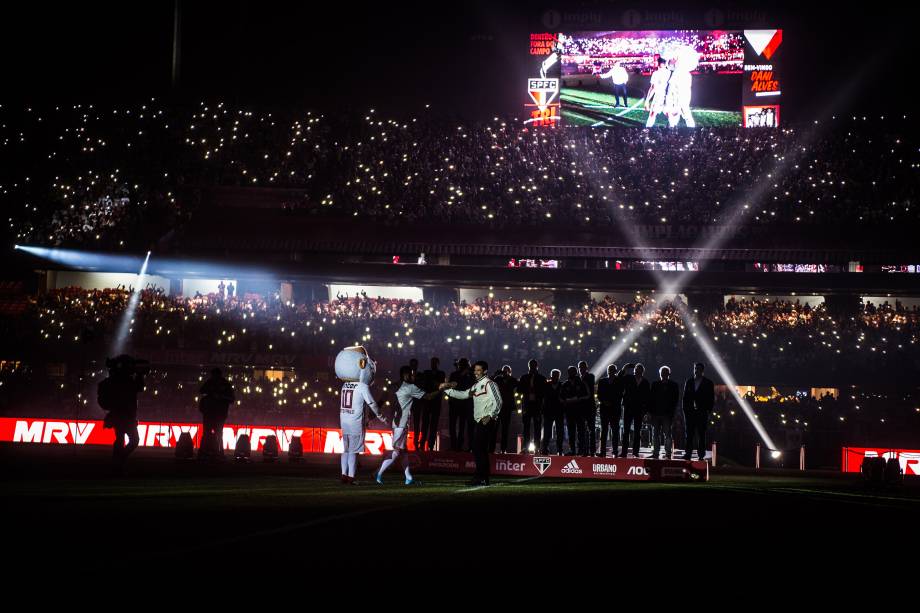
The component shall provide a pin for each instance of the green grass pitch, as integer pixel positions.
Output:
(581, 107)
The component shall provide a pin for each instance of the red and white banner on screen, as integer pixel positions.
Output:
(158, 434)
(908, 458)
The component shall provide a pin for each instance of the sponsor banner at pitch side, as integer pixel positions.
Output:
(161, 434)
(909, 459)
(619, 469)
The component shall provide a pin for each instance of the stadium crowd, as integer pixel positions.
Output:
(761, 336)
(87, 175)
(722, 52)
(277, 354)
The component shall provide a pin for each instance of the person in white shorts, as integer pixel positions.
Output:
(680, 87)
(353, 366)
(657, 91)
(407, 393)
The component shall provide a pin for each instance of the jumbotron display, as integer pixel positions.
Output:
(656, 78)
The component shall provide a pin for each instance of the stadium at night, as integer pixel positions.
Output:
(270, 276)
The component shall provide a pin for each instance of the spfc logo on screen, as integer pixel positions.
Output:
(542, 463)
(764, 42)
(543, 91)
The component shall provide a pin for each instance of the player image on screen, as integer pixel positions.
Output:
(680, 86)
(692, 77)
(657, 92)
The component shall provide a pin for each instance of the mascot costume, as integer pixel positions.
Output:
(356, 369)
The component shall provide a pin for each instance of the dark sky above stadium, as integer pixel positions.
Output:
(465, 58)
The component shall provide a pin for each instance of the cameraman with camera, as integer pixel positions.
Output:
(216, 397)
(117, 395)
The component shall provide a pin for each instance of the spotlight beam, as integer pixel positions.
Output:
(127, 318)
(742, 204)
(702, 339)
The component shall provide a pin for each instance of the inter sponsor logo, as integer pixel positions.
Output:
(516, 467)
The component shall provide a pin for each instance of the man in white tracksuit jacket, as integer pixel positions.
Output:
(487, 404)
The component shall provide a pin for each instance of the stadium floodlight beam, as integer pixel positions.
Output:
(94, 261)
(83, 260)
(736, 211)
(127, 318)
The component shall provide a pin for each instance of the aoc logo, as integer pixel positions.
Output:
(571, 468)
(542, 463)
(637, 470)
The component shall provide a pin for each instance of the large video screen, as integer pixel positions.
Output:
(656, 79)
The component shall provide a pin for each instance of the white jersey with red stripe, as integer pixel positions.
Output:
(355, 400)
(487, 401)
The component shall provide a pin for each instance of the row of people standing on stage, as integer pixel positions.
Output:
(553, 407)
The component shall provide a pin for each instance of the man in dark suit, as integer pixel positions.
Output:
(589, 410)
(610, 397)
(507, 385)
(699, 397)
(665, 398)
(416, 405)
(459, 411)
(431, 414)
(532, 387)
(573, 395)
(637, 396)
(553, 413)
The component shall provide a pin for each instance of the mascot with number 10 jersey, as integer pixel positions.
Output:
(356, 369)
